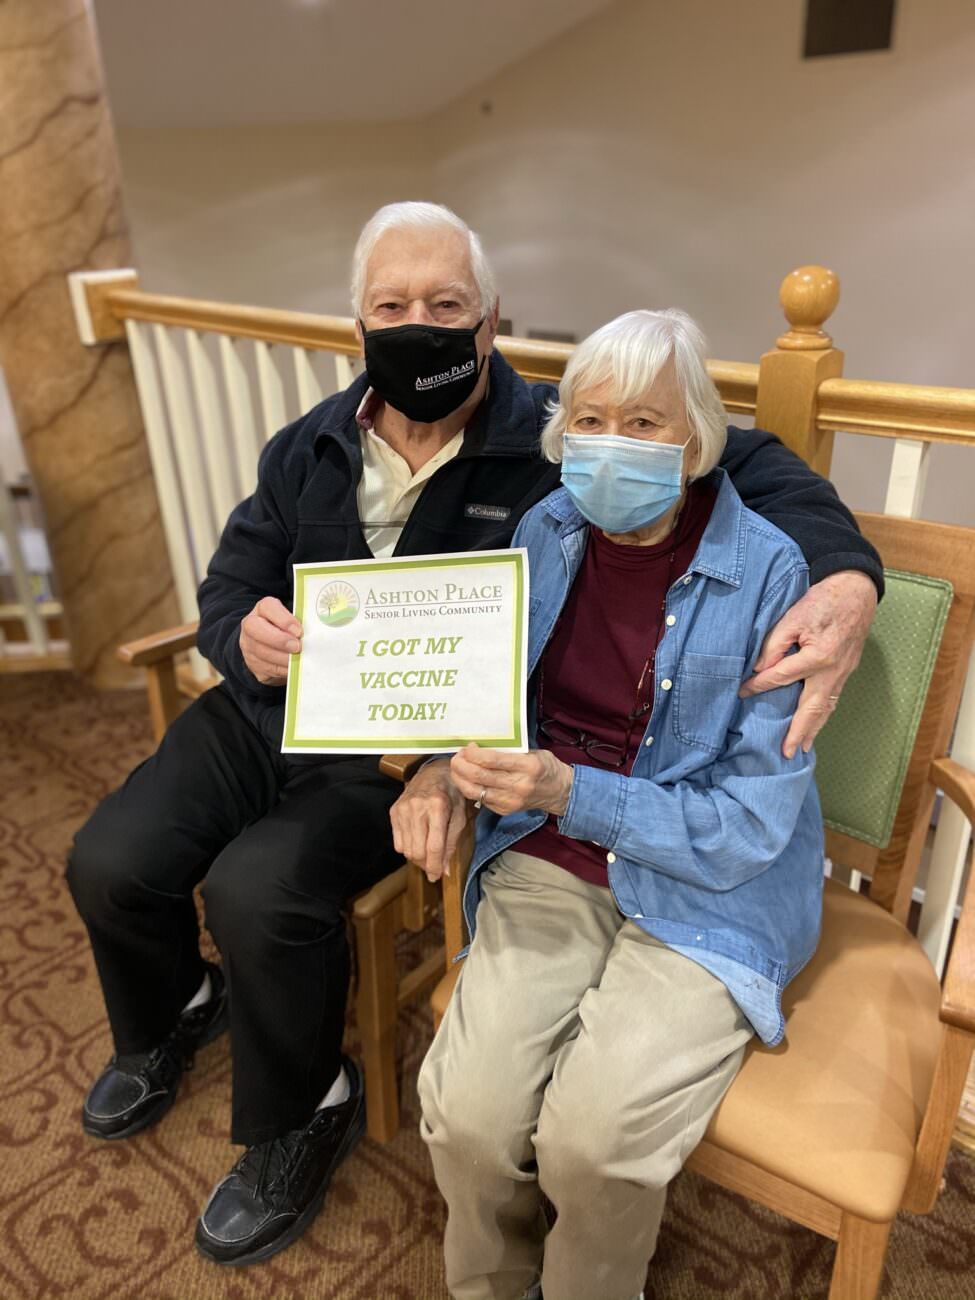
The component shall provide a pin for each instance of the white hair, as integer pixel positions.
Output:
(628, 354)
(420, 216)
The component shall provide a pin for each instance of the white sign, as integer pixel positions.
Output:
(416, 653)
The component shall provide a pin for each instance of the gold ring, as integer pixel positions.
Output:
(480, 798)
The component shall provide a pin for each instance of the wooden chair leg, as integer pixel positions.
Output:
(164, 698)
(859, 1263)
(376, 1007)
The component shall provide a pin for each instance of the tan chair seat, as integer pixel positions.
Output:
(837, 1107)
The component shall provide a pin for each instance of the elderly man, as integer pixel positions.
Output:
(434, 449)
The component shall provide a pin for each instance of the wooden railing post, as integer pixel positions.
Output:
(789, 377)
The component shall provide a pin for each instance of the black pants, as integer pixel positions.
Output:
(283, 846)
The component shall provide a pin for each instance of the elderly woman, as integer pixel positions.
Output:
(648, 878)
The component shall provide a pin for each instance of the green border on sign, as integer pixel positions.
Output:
(513, 740)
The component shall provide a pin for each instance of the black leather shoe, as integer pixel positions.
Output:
(275, 1189)
(136, 1090)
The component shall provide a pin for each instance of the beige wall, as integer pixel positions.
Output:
(264, 215)
(685, 155)
(658, 154)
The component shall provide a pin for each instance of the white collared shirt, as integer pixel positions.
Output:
(388, 490)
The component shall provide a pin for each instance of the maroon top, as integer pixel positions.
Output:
(601, 649)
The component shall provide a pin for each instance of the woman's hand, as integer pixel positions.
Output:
(428, 818)
(508, 783)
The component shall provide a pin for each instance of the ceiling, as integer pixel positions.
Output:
(243, 62)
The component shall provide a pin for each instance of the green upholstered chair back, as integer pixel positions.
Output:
(863, 751)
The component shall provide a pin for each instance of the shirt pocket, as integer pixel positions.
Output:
(705, 698)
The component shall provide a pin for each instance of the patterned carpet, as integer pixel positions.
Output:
(100, 1221)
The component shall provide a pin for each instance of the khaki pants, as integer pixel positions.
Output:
(579, 1058)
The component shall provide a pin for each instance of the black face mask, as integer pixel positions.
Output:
(425, 371)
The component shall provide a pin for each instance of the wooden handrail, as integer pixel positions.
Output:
(534, 359)
(885, 410)
(297, 329)
(737, 382)
(888, 410)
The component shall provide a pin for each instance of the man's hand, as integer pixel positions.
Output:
(508, 783)
(428, 818)
(830, 625)
(268, 635)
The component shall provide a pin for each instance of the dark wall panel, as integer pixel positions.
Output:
(847, 26)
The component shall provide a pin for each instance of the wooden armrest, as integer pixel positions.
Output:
(381, 894)
(401, 766)
(958, 783)
(958, 994)
(159, 646)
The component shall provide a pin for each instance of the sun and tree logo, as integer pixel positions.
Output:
(337, 604)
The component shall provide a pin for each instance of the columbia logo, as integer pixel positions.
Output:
(487, 512)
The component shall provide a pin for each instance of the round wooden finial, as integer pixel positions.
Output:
(808, 296)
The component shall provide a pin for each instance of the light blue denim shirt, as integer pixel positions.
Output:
(714, 843)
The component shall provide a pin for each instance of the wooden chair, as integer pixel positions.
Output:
(850, 1119)
(403, 900)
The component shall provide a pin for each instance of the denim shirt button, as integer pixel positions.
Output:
(699, 938)
(687, 579)
(610, 857)
(671, 620)
(666, 684)
(649, 740)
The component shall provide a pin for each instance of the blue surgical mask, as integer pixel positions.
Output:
(620, 484)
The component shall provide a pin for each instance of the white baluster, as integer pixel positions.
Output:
(908, 478)
(163, 469)
(27, 607)
(343, 371)
(186, 441)
(243, 430)
(905, 494)
(220, 468)
(309, 389)
(950, 852)
(271, 389)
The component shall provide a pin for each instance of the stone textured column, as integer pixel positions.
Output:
(76, 407)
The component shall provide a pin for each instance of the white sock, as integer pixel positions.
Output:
(201, 995)
(338, 1092)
